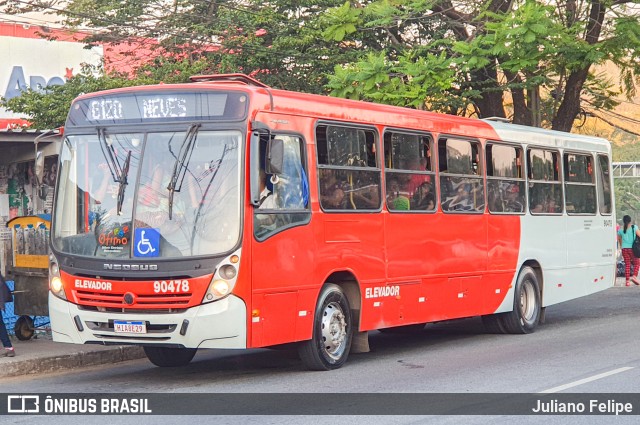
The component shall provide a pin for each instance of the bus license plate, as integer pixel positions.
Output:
(129, 327)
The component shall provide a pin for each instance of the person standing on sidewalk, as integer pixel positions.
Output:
(626, 235)
(5, 297)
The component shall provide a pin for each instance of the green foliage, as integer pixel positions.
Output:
(416, 82)
(344, 20)
(453, 57)
(530, 47)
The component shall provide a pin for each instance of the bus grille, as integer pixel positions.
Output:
(141, 302)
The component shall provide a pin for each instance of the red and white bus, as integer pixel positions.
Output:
(222, 213)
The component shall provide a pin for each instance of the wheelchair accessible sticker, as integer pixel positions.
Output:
(146, 243)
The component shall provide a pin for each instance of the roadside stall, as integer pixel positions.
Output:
(30, 271)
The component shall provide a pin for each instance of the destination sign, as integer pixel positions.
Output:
(158, 106)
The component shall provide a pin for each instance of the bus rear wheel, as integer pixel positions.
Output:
(168, 356)
(524, 317)
(330, 343)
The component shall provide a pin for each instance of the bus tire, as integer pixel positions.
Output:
(493, 323)
(524, 317)
(330, 343)
(169, 356)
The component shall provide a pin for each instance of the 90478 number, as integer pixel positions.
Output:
(171, 286)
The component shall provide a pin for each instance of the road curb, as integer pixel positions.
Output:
(59, 362)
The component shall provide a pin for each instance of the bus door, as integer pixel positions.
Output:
(282, 249)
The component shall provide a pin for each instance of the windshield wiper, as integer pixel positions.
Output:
(123, 183)
(181, 164)
(118, 173)
(110, 155)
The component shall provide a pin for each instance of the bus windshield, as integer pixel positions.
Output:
(139, 195)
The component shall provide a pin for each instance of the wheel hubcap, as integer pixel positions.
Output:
(527, 301)
(334, 330)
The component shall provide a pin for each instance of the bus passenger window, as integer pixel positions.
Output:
(604, 185)
(505, 184)
(349, 177)
(461, 182)
(580, 185)
(410, 180)
(545, 187)
(284, 198)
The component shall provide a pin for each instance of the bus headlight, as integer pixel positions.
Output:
(220, 288)
(55, 282)
(224, 279)
(228, 271)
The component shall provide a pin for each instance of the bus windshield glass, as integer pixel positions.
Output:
(158, 195)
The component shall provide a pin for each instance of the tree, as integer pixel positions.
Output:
(539, 53)
(532, 60)
(275, 41)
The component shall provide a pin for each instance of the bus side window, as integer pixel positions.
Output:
(604, 185)
(461, 182)
(348, 171)
(284, 198)
(410, 180)
(505, 185)
(545, 187)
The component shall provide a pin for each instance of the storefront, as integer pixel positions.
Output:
(21, 194)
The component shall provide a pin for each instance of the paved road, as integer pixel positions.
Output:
(588, 345)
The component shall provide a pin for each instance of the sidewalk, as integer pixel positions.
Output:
(43, 355)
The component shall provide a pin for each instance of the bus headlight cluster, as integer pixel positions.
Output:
(224, 279)
(220, 288)
(55, 282)
(228, 271)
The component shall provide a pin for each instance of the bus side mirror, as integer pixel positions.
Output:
(275, 157)
(254, 163)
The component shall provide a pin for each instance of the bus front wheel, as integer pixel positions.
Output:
(524, 317)
(169, 357)
(330, 343)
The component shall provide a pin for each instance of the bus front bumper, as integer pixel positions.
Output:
(219, 324)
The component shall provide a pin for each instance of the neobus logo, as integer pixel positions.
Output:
(130, 267)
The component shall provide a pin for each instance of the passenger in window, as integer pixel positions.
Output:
(461, 201)
(538, 208)
(416, 179)
(332, 195)
(626, 236)
(552, 206)
(395, 199)
(367, 193)
(423, 198)
(495, 199)
(513, 200)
